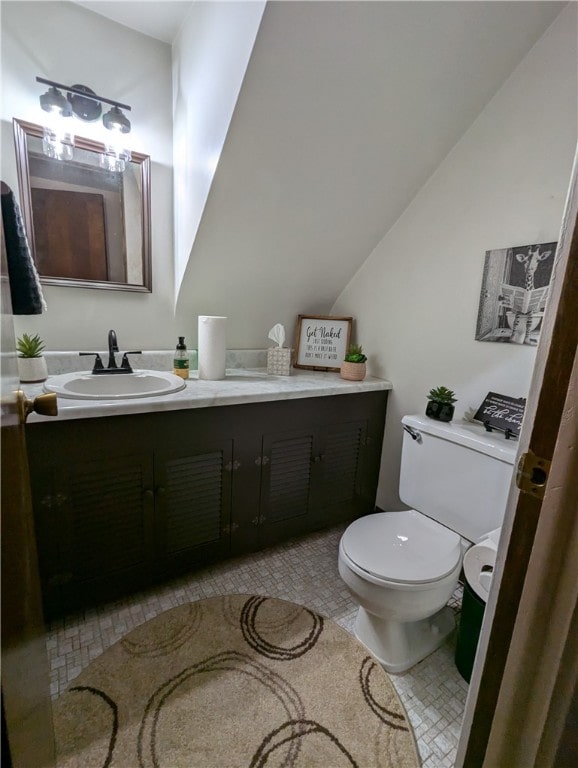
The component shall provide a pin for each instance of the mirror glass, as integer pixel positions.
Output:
(87, 226)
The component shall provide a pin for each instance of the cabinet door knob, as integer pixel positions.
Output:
(228, 529)
(160, 490)
(149, 492)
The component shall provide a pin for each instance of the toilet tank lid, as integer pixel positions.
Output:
(405, 547)
(467, 433)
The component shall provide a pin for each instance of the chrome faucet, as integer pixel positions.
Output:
(112, 367)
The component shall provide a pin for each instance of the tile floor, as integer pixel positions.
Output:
(302, 570)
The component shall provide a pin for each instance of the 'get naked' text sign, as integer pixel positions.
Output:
(321, 342)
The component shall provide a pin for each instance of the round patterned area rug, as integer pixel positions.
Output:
(234, 681)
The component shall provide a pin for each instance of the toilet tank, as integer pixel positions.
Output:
(458, 475)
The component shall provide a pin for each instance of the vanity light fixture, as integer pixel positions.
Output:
(116, 154)
(85, 104)
(54, 101)
(115, 120)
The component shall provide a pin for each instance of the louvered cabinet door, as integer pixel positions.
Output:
(105, 543)
(49, 526)
(193, 505)
(338, 490)
(287, 464)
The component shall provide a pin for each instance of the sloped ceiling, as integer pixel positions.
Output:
(345, 111)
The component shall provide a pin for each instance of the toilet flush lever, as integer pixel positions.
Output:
(415, 435)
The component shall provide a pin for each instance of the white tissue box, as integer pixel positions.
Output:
(279, 361)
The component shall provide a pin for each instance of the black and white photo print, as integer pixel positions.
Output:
(514, 291)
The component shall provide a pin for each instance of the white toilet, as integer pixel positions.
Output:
(402, 567)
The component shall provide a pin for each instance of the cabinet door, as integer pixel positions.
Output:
(286, 474)
(193, 504)
(101, 540)
(337, 490)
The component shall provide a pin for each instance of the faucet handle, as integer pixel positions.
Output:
(125, 363)
(98, 366)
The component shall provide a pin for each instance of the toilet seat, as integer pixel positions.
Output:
(402, 547)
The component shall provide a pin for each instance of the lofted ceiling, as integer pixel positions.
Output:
(160, 19)
(345, 112)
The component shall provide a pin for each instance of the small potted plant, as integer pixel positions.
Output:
(440, 405)
(31, 364)
(353, 367)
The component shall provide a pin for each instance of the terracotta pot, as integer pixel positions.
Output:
(353, 371)
(32, 369)
(439, 411)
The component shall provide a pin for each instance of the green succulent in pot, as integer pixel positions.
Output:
(353, 366)
(442, 395)
(355, 354)
(441, 404)
(29, 346)
(31, 364)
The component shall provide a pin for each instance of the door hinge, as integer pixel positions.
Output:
(532, 474)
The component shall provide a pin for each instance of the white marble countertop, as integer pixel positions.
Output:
(237, 388)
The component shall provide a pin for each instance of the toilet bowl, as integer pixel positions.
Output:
(402, 568)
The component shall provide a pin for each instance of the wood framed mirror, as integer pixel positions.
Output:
(88, 227)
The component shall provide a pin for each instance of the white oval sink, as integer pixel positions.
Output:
(113, 386)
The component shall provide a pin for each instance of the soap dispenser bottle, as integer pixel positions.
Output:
(181, 360)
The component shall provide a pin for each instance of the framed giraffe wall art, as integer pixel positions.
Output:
(514, 291)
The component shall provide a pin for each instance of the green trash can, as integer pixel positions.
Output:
(469, 627)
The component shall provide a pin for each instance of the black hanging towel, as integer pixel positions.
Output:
(25, 288)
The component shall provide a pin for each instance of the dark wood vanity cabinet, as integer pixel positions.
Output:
(112, 517)
(312, 478)
(192, 496)
(93, 517)
(122, 502)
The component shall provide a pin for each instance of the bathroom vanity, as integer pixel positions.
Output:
(128, 494)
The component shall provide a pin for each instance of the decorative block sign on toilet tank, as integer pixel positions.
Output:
(502, 412)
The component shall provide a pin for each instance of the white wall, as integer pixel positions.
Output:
(307, 182)
(345, 111)
(416, 297)
(210, 56)
(69, 44)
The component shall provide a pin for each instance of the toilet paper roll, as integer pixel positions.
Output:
(479, 563)
(211, 346)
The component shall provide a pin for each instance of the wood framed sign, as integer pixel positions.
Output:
(321, 342)
(502, 412)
